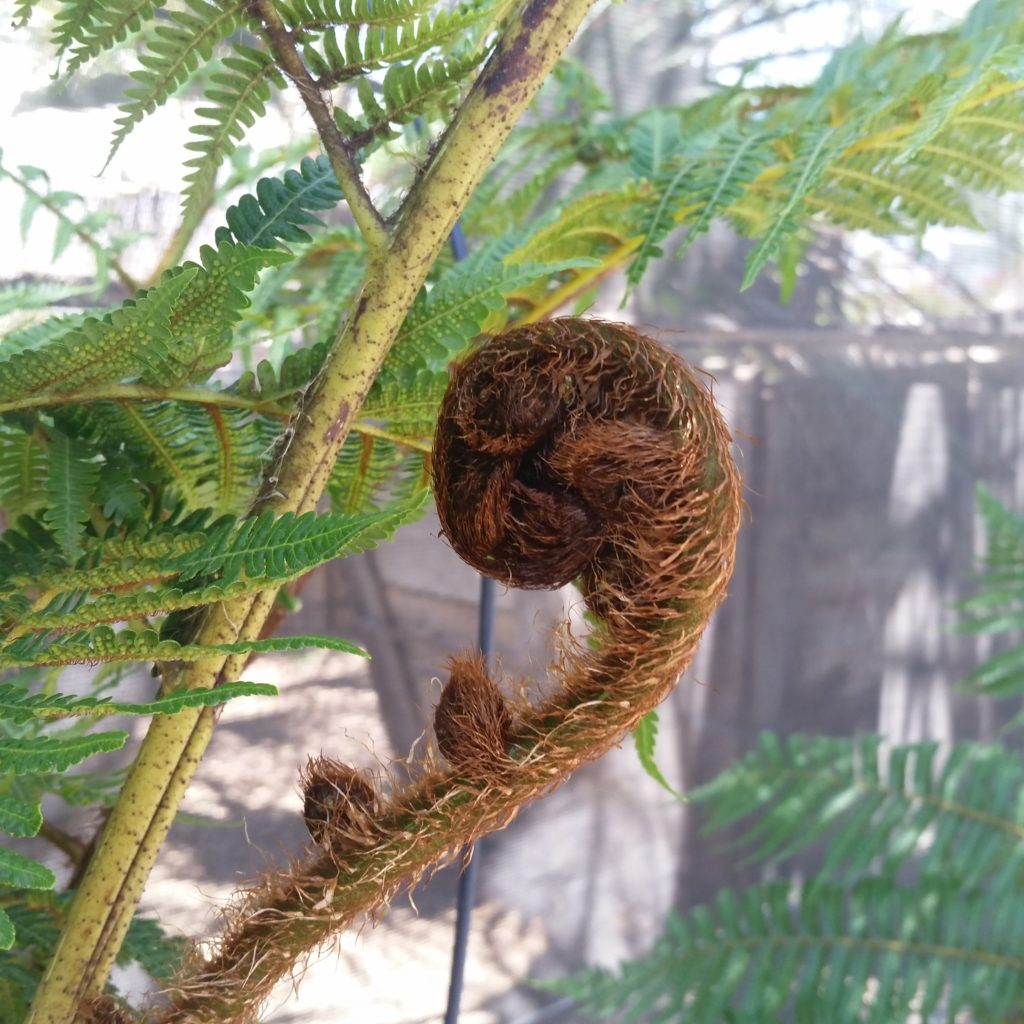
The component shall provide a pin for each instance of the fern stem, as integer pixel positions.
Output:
(73, 848)
(365, 214)
(103, 905)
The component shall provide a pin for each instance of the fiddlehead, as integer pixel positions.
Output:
(570, 449)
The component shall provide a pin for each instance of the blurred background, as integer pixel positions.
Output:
(866, 410)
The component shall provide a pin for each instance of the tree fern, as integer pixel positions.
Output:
(875, 952)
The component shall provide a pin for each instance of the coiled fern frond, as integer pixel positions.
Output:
(571, 448)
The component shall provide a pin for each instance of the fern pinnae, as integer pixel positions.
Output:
(282, 208)
(729, 184)
(878, 806)
(927, 203)
(103, 644)
(362, 51)
(409, 91)
(72, 22)
(821, 952)
(173, 55)
(22, 472)
(128, 340)
(239, 95)
(320, 14)
(662, 218)
(812, 166)
(112, 23)
(72, 476)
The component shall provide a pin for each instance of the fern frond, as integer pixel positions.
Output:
(72, 474)
(35, 294)
(998, 607)
(22, 472)
(102, 644)
(443, 321)
(371, 471)
(19, 871)
(876, 952)
(958, 816)
(17, 705)
(343, 54)
(203, 315)
(73, 219)
(319, 14)
(279, 547)
(128, 340)
(88, 28)
(817, 150)
(283, 207)
(297, 369)
(20, 818)
(239, 95)
(429, 89)
(738, 159)
(176, 331)
(173, 53)
(408, 409)
(54, 752)
(271, 551)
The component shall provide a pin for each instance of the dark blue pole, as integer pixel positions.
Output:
(469, 859)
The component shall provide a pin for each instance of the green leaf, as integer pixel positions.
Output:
(279, 547)
(879, 808)
(644, 736)
(20, 818)
(283, 207)
(55, 753)
(238, 96)
(69, 486)
(6, 931)
(821, 952)
(175, 52)
(131, 340)
(157, 953)
(103, 644)
(23, 873)
(818, 148)
(18, 706)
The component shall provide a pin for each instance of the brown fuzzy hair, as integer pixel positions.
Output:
(568, 449)
(340, 804)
